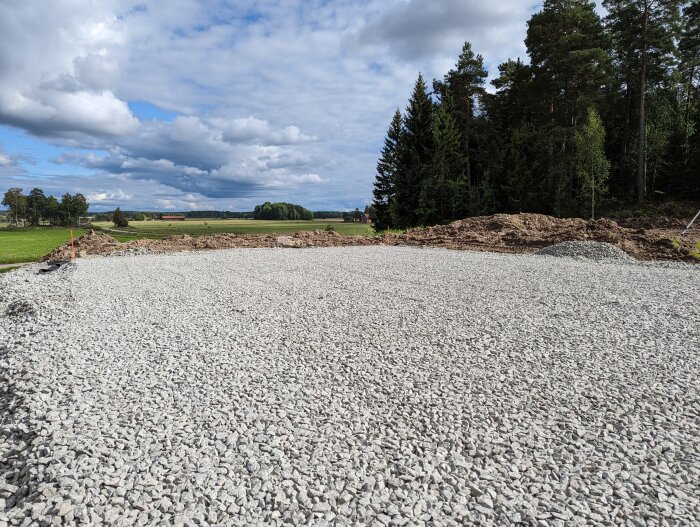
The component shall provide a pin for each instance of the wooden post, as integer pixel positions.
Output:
(72, 246)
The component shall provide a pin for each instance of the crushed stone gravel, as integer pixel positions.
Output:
(589, 250)
(350, 386)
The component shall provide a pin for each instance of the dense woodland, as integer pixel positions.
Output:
(605, 114)
(281, 211)
(38, 209)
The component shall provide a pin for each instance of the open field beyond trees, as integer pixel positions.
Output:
(31, 244)
(161, 229)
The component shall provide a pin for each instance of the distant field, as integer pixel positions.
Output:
(30, 245)
(161, 229)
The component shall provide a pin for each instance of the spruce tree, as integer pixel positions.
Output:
(460, 89)
(387, 167)
(414, 158)
(444, 194)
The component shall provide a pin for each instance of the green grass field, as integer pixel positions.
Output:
(161, 229)
(31, 244)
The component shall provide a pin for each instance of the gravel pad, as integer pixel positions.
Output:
(350, 386)
(598, 251)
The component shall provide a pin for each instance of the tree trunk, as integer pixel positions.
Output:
(641, 154)
(689, 98)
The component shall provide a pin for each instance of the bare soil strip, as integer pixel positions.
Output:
(644, 239)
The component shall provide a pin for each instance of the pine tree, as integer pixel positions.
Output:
(689, 48)
(592, 167)
(414, 158)
(387, 168)
(644, 34)
(567, 49)
(444, 194)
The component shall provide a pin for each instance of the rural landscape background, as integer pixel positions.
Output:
(380, 263)
(601, 115)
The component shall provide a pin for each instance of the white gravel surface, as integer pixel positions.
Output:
(355, 386)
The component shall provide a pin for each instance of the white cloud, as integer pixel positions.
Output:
(293, 103)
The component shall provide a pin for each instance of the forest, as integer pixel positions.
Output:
(604, 115)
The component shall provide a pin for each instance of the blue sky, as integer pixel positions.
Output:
(210, 104)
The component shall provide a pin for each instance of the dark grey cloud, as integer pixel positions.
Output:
(416, 29)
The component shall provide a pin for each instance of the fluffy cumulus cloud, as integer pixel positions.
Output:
(281, 99)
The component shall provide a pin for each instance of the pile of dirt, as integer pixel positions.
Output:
(528, 233)
(519, 233)
(94, 244)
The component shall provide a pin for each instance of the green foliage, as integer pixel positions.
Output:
(281, 212)
(445, 192)
(592, 167)
(387, 168)
(119, 219)
(414, 157)
(695, 252)
(605, 109)
(38, 209)
(329, 228)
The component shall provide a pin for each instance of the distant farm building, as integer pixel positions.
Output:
(173, 218)
(365, 219)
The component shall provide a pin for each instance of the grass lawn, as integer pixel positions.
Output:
(31, 244)
(161, 229)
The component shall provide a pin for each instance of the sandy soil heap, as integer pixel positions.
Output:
(644, 239)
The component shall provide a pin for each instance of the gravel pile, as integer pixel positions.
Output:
(136, 251)
(597, 251)
(350, 386)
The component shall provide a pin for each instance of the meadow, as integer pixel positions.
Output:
(31, 244)
(160, 229)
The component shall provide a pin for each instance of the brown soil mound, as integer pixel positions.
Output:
(94, 243)
(521, 233)
(525, 233)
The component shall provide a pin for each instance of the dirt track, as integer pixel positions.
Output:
(644, 239)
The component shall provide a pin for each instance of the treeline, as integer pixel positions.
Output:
(281, 212)
(606, 113)
(38, 209)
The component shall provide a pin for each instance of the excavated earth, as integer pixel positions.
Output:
(644, 239)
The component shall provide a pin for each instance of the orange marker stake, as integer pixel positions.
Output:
(72, 246)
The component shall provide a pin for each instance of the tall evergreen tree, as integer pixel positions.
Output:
(445, 193)
(644, 33)
(387, 167)
(460, 90)
(415, 157)
(689, 48)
